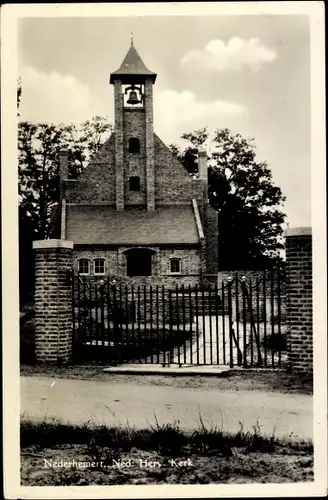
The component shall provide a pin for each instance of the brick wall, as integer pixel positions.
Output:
(173, 184)
(118, 146)
(134, 163)
(210, 225)
(97, 182)
(299, 272)
(116, 266)
(53, 314)
(149, 131)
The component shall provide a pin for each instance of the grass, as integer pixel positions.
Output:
(207, 455)
(168, 439)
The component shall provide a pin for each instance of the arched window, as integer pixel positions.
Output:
(84, 266)
(99, 266)
(175, 266)
(134, 145)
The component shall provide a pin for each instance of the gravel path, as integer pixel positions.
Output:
(115, 403)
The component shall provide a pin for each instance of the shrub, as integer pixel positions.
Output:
(275, 342)
(27, 341)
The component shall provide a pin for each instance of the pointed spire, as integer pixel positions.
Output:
(132, 68)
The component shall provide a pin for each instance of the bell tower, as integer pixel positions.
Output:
(134, 134)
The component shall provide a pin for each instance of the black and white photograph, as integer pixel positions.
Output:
(164, 259)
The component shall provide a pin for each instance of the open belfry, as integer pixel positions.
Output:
(135, 213)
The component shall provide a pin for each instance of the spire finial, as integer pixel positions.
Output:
(131, 35)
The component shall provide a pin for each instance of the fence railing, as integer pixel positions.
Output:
(237, 322)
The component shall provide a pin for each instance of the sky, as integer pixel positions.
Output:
(247, 73)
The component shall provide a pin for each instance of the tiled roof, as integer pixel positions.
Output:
(99, 224)
(132, 65)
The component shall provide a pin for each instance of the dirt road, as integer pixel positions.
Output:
(116, 403)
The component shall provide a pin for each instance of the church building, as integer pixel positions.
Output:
(135, 213)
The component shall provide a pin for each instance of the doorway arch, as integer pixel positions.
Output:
(139, 261)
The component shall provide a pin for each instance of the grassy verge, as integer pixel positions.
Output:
(158, 454)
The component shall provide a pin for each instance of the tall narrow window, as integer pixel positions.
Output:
(99, 266)
(175, 266)
(134, 145)
(84, 266)
(134, 183)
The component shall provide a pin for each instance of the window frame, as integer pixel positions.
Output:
(89, 266)
(94, 266)
(177, 259)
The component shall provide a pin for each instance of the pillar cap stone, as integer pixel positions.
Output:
(298, 231)
(48, 244)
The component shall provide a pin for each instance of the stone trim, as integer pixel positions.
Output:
(298, 231)
(118, 145)
(202, 166)
(53, 243)
(198, 220)
(149, 143)
(63, 220)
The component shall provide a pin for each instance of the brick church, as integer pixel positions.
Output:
(135, 214)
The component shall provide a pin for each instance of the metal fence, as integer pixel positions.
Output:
(238, 322)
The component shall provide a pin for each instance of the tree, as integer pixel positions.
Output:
(39, 146)
(38, 167)
(243, 192)
(94, 132)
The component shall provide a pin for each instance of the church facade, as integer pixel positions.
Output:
(135, 214)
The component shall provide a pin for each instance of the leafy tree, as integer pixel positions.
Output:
(247, 201)
(94, 133)
(39, 146)
(38, 168)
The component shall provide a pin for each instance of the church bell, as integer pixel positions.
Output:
(133, 98)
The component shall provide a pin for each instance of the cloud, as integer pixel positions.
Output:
(55, 98)
(179, 112)
(58, 98)
(235, 55)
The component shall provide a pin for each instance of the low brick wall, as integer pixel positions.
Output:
(300, 299)
(53, 303)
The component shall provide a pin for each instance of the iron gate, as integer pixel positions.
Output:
(240, 322)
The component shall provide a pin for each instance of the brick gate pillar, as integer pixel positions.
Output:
(53, 303)
(299, 298)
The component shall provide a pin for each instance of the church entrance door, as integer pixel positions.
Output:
(139, 262)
